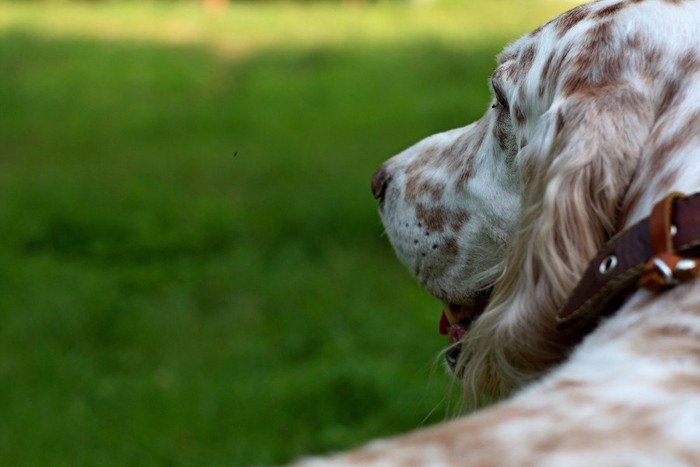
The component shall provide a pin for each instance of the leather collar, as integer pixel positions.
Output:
(656, 253)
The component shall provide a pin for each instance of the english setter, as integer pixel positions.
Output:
(595, 117)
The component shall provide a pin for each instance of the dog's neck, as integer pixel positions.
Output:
(657, 253)
(654, 339)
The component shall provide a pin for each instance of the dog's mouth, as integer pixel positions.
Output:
(456, 319)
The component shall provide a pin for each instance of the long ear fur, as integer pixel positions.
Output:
(575, 173)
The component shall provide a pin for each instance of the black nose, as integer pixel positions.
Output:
(380, 180)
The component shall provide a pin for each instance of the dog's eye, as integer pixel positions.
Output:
(501, 100)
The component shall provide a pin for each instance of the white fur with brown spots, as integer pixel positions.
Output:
(595, 117)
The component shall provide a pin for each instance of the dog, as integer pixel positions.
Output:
(524, 225)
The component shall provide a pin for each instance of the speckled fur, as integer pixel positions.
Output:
(596, 116)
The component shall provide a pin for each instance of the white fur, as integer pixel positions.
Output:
(602, 120)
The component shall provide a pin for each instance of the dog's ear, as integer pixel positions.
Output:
(575, 171)
(585, 151)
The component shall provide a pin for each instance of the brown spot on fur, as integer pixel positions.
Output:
(581, 436)
(505, 72)
(652, 67)
(466, 174)
(669, 94)
(545, 67)
(666, 181)
(412, 189)
(449, 247)
(583, 76)
(436, 191)
(684, 382)
(581, 65)
(416, 187)
(527, 58)
(557, 66)
(570, 19)
(689, 63)
(459, 218)
(669, 146)
(421, 162)
(506, 57)
(608, 11)
(634, 41)
(434, 219)
(455, 151)
(612, 67)
(670, 341)
(463, 160)
(560, 122)
(481, 135)
(522, 94)
(504, 415)
(543, 77)
(577, 392)
(668, 331)
(536, 31)
(519, 114)
(501, 130)
(508, 72)
(568, 384)
(600, 35)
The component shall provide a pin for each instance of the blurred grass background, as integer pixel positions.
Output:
(192, 271)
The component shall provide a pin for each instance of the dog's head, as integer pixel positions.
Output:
(451, 205)
(498, 219)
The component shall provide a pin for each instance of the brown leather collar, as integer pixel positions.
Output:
(656, 253)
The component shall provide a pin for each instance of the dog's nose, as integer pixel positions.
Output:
(380, 180)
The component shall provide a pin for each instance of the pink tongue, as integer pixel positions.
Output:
(456, 332)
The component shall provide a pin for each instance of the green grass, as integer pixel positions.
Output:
(192, 271)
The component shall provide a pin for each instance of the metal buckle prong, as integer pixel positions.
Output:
(666, 271)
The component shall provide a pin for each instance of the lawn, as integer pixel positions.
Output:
(192, 270)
